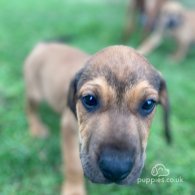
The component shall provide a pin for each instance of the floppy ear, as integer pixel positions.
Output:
(72, 93)
(164, 101)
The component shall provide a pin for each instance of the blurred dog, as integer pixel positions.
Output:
(112, 99)
(146, 11)
(174, 21)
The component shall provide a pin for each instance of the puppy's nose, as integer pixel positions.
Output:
(115, 165)
(172, 23)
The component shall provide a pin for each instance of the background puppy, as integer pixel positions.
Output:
(143, 12)
(174, 21)
(112, 98)
(48, 71)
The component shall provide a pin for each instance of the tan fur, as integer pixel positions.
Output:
(147, 10)
(120, 78)
(48, 71)
(139, 92)
(184, 33)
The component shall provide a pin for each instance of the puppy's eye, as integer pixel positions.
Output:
(90, 102)
(147, 107)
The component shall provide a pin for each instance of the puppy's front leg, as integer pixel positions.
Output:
(181, 51)
(74, 184)
(150, 44)
(130, 19)
(37, 128)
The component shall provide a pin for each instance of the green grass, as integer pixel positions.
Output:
(33, 166)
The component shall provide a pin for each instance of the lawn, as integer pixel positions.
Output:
(30, 166)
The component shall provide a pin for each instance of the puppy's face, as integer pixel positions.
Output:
(114, 98)
(171, 15)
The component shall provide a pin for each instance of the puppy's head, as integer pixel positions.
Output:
(171, 15)
(114, 98)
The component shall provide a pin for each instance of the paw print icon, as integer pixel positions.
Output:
(160, 170)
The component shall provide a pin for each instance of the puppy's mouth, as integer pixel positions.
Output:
(106, 170)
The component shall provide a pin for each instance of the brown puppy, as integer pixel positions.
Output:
(113, 98)
(146, 11)
(174, 21)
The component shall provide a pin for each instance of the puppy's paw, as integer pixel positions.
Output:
(73, 189)
(39, 130)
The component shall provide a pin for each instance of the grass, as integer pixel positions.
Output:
(33, 166)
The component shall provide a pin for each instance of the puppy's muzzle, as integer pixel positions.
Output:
(114, 164)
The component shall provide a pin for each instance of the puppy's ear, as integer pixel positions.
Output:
(164, 101)
(72, 92)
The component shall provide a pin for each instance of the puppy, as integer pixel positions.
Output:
(106, 102)
(174, 21)
(146, 11)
